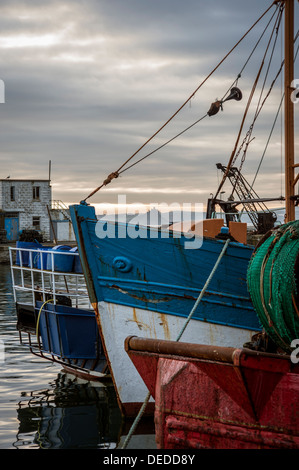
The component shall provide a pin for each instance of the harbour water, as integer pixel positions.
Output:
(42, 407)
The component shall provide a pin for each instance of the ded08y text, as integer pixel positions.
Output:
(173, 459)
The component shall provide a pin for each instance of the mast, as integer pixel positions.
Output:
(289, 110)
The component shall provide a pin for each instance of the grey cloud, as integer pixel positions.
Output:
(111, 74)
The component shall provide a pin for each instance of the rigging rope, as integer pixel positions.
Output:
(267, 143)
(38, 317)
(116, 173)
(277, 113)
(231, 160)
(163, 145)
(259, 107)
(246, 140)
(222, 99)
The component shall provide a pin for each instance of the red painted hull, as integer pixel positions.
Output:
(219, 398)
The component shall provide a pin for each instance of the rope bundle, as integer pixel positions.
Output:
(273, 284)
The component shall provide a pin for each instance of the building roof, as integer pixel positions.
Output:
(31, 179)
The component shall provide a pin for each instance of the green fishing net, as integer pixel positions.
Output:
(273, 284)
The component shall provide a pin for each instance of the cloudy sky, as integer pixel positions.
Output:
(88, 82)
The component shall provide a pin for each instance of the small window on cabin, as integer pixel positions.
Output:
(36, 223)
(35, 194)
(12, 193)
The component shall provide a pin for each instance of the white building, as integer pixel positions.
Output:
(24, 205)
(61, 223)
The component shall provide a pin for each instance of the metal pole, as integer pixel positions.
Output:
(289, 110)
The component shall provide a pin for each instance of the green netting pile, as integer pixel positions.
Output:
(272, 283)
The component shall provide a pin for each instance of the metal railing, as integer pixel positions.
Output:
(36, 281)
(37, 277)
(58, 204)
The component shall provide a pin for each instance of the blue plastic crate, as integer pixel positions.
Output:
(69, 332)
(62, 262)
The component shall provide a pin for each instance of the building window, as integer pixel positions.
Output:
(36, 223)
(35, 194)
(12, 193)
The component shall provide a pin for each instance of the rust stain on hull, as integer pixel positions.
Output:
(143, 298)
(149, 327)
(96, 311)
(164, 324)
(140, 324)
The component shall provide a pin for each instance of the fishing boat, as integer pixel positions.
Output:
(54, 317)
(152, 284)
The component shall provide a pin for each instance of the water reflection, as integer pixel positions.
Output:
(70, 415)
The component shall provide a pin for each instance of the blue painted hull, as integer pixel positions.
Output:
(156, 273)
